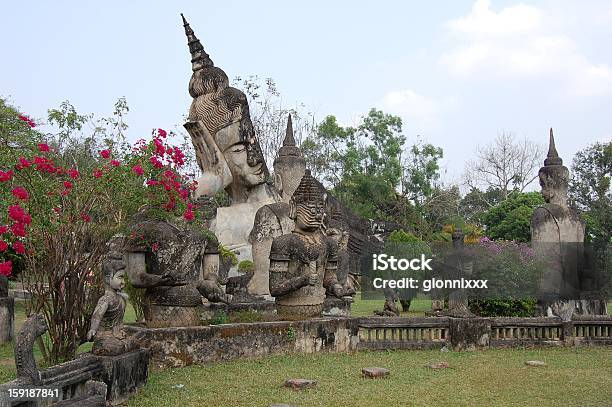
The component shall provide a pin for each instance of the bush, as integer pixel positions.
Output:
(503, 307)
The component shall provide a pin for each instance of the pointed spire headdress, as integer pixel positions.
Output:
(552, 157)
(199, 58)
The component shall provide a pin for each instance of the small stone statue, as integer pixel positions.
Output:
(106, 328)
(300, 260)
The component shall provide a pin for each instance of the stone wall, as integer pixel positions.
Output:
(184, 346)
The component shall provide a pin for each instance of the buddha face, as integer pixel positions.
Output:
(117, 282)
(247, 170)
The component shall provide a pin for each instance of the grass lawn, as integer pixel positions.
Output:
(573, 377)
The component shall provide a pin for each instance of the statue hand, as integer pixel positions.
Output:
(91, 334)
(313, 279)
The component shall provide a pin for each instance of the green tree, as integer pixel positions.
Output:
(511, 218)
(590, 191)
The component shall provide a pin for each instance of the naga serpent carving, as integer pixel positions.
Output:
(32, 328)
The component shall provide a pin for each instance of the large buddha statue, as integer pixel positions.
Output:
(226, 148)
(557, 234)
(303, 263)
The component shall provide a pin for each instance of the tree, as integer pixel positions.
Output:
(511, 218)
(505, 164)
(421, 171)
(476, 203)
(590, 191)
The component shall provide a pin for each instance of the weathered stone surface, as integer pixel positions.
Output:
(124, 374)
(469, 333)
(299, 384)
(186, 346)
(535, 363)
(374, 372)
(438, 365)
(7, 319)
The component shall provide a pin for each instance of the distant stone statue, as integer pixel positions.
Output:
(557, 234)
(106, 329)
(273, 220)
(227, 150)
(461, 267)
(300, 260)
(177, 266)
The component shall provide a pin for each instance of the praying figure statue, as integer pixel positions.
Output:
(303, 263)
(106, 329)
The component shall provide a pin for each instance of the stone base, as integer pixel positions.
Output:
(210, 309)
(164, 316)
(7, 319)
(124, 374)
(469, 333)
(337, 307)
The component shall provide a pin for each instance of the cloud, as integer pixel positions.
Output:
(520, 41)
(420, 110)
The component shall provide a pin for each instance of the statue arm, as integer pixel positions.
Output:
(279, 285)
(208, 286)
(137, 272)
(330, 279)
(96, 318)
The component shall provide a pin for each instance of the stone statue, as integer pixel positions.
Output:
(460, 267)
(177, 266)
(300, 260)
(557, 234)
(106, 329)
(226, 149)
(25, 362)
(273, 220)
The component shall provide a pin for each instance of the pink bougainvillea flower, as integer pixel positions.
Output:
(188, 215)
(16, 212)
(67, 184)
(57, 210)
(3, 229)
(159, 147)
(26, 119)
(23, 162)
(6, 268)
(18, 229)
(105, 153)
(115, 163)
(156, 163)
(44, 147)
(86, 218)
(73, 173)
(27, 219)
(65, 192)
(44, 164)
(97, 173)
(6, 176)
(155, 246)
(152, 182)
(3, 245)
(162, 133)
(20, 193)
(19, 247)
(138, 170)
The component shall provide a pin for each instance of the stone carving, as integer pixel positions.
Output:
(273, 220)
(176, 266)
(226, 148)
(557, 234)
(301, 260)
(25, 362)
(461, 267)
(106, 329)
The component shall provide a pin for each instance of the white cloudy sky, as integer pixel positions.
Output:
(458, 72)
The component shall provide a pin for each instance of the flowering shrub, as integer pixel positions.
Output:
(58, 214)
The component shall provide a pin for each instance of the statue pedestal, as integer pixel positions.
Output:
(337, 307)
(7, 319)
(164, 316)
(124, 374)
(210, 310)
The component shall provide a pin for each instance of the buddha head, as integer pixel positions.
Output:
(307, 205)
(113, 268)
(554, 176)
(224, 112)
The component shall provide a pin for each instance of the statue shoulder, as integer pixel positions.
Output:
(269, 221)
(544, 213)
(286, 245)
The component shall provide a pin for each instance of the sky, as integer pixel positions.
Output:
(457, 72)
